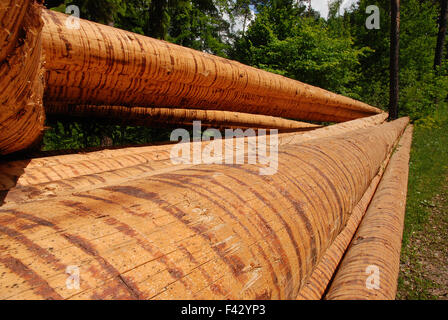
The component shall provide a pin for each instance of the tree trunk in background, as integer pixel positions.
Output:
(394, 57)
(442, 32)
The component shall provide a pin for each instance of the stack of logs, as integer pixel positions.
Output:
(326, 225)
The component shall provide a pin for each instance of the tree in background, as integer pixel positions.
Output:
(420, 85)
(157, 25)
(373, 67)
(286, 37)
(394, 58)
(53, 3)
(133, 16)
(98, 10)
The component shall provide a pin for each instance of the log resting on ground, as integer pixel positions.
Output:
(369, 270)
(39, 178)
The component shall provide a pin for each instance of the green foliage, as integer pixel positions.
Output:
(427, 169)
(422, 94)
(88, 133)
(97, 10)
(421, 90)
(60, 136)
(133, 16)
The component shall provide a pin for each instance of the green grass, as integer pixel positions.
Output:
(428, 172)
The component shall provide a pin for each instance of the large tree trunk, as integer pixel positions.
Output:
(394, 58)
(377, 241)
(21, 75)
(442, 33)
(98, 64)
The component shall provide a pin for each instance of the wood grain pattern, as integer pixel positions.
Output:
(101, 65)
(378, 240)
(206, 232)
(322, 275)
(30, 180)
(21, 75)
(174, 116)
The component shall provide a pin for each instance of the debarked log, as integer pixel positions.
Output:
(40, 178)
(97, 64)
(369, 270)
(206, 232)
(21, 75)
(175, 116)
